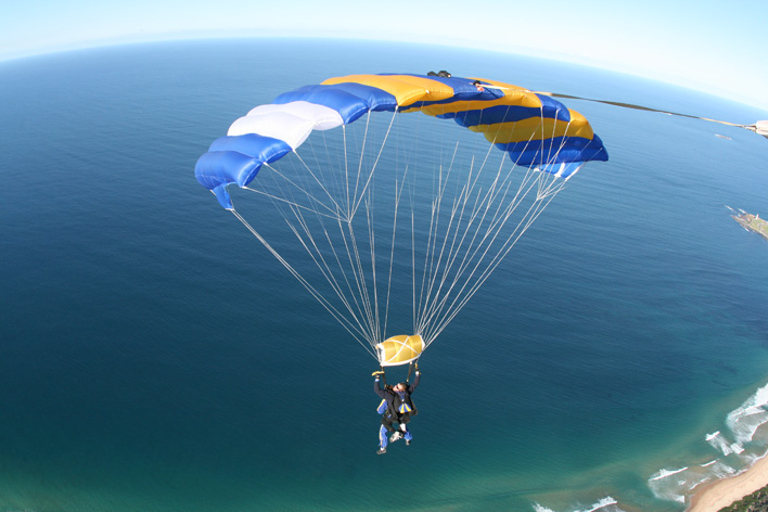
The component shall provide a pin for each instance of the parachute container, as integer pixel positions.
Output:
(399, 350)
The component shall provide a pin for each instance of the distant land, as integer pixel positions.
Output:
(752, 222)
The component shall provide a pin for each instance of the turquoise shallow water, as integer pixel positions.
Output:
(155, 357)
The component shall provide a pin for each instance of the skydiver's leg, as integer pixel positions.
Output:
(388, 423)
(383, 441)
(404, 420)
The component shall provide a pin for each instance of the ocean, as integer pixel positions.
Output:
(154, 356)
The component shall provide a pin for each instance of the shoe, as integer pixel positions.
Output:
(395, 437)
(407, 442)
(381, 451)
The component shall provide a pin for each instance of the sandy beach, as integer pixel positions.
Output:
(716, 495)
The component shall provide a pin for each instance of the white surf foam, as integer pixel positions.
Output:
(743, 422)
(665, 473)
(718, 441)
(676, 485)
(746, 419)
(606, 503)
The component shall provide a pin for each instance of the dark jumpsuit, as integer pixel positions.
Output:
(395, 409)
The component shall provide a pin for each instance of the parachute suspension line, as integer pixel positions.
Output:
(481, 204)
(414, 304)
(553, 184)
(427, 285)
(370, 305)
(350, 242)
(434, 294)
(360, 160)
(411, 146)
(347, 212)
(547, 153)
(355, 265)
(320, 262)
(376, 161)
(463, 298)
(349, 298)
(329, 307)
(376, 320)
(548, 186)
(333, 215)
(309, 243)
(456, 249)
(316, 255)
(398, 196)
(322, 186)
(429, 255)
(530, 216)
(367, 192)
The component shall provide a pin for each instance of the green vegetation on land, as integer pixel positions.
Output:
(752, 223)
(755, 502)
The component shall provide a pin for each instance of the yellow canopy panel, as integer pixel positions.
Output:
(400, 349)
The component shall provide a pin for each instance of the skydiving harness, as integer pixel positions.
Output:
(404, 407)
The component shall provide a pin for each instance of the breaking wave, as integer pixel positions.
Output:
(720, 443)
(677, 485)
(745, 420)
(606, 504)
(743, 423)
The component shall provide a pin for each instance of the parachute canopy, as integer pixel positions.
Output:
(536, 130)
(393, 222)
(400, 349)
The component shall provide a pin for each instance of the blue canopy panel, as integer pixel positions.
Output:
(236, 160)
(217, 169)
(498, 114)
(555, 151)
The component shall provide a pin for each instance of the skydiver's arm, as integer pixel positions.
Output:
(415, 382)
(377, 388)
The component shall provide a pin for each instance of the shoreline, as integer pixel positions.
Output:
(752, 223)
(714, 496)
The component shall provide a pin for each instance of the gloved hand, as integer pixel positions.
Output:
(377, 373)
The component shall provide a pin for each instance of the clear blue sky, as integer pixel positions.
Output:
(714, 46)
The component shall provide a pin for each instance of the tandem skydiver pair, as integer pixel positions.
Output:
(396, 408)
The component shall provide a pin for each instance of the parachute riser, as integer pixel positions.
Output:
(411, 368)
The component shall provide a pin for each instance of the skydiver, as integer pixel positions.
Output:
(396, 407)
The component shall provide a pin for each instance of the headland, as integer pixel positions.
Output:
(752, 222)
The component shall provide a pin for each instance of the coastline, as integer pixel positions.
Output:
(753, 223)
(714, 496)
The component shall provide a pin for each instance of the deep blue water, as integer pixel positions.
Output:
(153, 356)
